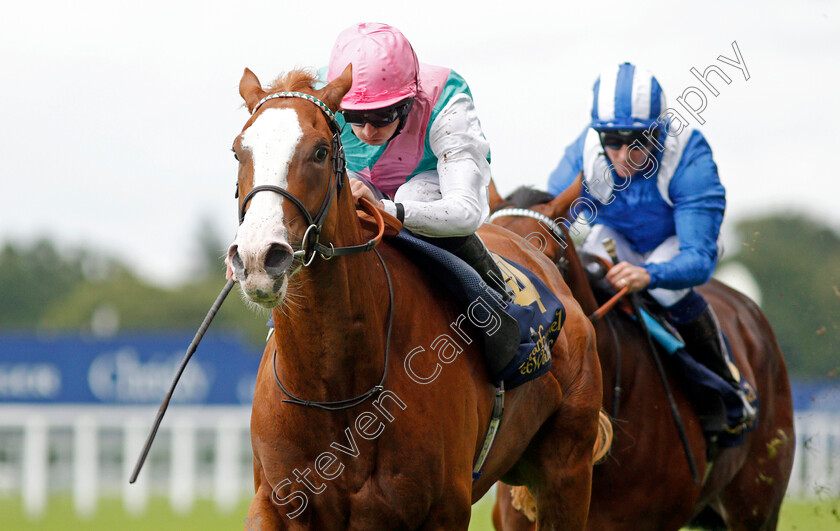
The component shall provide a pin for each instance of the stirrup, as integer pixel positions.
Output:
(506, 293)
(748, 415)
(749, 410)
(509, 295)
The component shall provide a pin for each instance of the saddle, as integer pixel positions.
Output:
(538, 312)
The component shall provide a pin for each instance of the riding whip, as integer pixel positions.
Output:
(165, 404)
(609, 246)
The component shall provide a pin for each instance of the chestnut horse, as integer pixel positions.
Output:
(371, 402)
(645, 482)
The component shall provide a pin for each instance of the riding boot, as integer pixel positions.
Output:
(473, 252)
(704, 341)
(501, 346)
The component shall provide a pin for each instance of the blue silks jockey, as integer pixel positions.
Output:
(658, 196)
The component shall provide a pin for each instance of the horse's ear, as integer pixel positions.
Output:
(250, 89)
(332, 93)
(496, 200)
(560, 205)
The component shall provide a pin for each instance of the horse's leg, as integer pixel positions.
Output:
(751, 501)
(262, 513)
(562, 451)
(563, 464)
(563, 497)
(753, 498)
(453, 512)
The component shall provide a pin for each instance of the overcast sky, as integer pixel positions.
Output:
(116, 119)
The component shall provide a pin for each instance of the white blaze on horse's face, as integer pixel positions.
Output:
(261, 255)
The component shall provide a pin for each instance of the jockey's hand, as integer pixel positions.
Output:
(625, 274)
(361, 190)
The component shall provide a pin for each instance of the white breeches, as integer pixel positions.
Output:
(593, 244)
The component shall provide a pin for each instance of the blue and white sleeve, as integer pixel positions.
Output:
(699, 203)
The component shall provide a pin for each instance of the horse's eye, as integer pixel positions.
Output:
(236, 156)
(321, 154)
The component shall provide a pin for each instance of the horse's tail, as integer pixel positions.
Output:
(523, 501)
(604, 439)
(521, 498)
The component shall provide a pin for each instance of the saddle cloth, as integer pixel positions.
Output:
(725, 426)
(538, 311)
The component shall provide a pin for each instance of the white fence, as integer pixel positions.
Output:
(91, 451)
(816, 465)
(204, 452)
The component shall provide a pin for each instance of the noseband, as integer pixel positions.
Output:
(310, 246)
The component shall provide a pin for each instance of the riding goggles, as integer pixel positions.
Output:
(617, 139)
(378, 117)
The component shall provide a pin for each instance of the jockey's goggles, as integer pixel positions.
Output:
(617, 139)
(378, 117)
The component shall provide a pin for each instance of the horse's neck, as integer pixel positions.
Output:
(330, 335)
(578, 281)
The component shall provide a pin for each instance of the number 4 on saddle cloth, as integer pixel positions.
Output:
(510, 358)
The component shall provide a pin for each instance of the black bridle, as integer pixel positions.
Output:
(310, 246)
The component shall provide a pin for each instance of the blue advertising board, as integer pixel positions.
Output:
(125, 369)
(137, 369)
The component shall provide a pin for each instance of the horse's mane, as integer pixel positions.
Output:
(294, 81)
(526, 196)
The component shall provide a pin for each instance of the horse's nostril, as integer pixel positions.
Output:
(237, 264)
(277, 260)
(276, 256)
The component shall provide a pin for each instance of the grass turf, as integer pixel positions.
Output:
(110, 516)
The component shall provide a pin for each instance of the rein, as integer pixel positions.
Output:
(310, 246)
(349, 402)
(190, 351)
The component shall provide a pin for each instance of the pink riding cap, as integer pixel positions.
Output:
(384, 66)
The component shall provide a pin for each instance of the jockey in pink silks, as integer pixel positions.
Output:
(414, 142)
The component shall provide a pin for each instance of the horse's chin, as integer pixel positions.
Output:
(267, 293)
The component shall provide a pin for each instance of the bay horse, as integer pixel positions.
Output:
(645, 482)
(370, 402)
